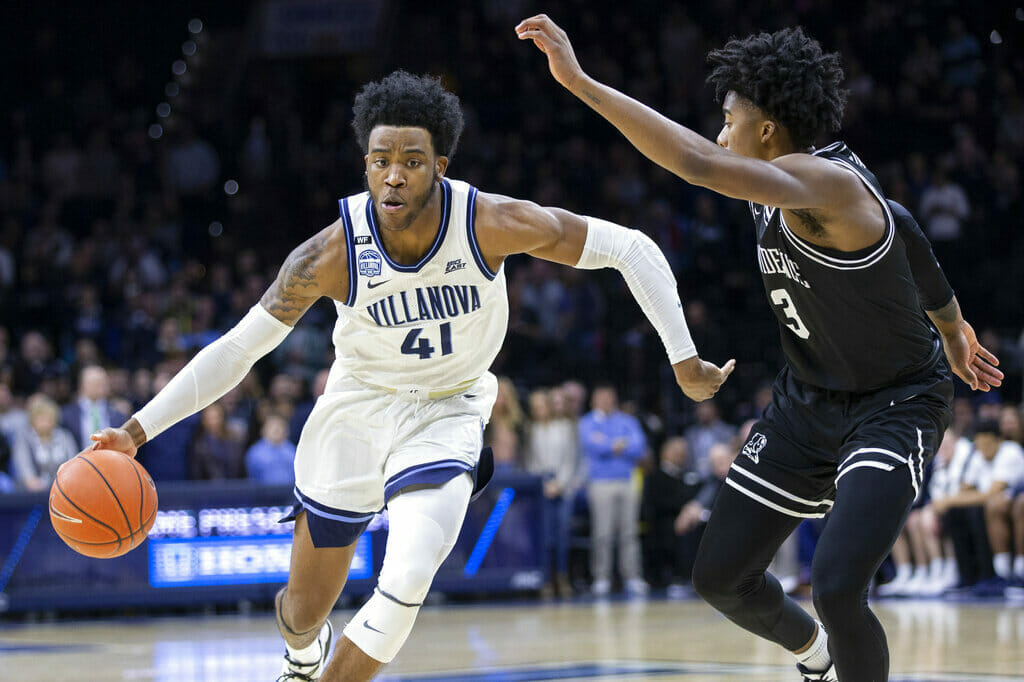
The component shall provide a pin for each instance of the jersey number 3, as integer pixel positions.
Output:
(414, 345)
(780, 297)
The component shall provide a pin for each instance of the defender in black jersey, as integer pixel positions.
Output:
(866, 392)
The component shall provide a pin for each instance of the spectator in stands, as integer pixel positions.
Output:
(669, 557)
(36, 361)
(709, 430)
(213, 454)
(166, 457)
(611, 443)
(1007, 555)
(1011, 424)
(993, 467)
(575, 394)
(7, 483)
(552, 453)
(1016, 588)
(12, 418)
(271, 459)
(698, 510)
(39, 451)
(505, 426)
(303, 409)
(91, 411)
(944, 208)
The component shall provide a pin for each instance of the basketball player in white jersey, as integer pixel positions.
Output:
(415, 268)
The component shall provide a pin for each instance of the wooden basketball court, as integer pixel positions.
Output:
(582, 640)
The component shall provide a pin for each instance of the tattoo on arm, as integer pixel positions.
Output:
(297, 285)
(947, 313)
(946, 317)
(592, 97)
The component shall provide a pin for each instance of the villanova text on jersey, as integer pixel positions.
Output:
(425, 304)
(435, 323)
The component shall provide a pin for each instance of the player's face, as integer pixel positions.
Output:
(401, 172)
(743, 130)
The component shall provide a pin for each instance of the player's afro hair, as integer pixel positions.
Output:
(403, 99)
(788, 76)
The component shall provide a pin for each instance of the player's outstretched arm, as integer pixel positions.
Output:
(971, 361)
(791, 181)
(506, 226)
(318, 267)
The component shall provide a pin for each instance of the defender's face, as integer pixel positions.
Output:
(401, 169)
(743, 127)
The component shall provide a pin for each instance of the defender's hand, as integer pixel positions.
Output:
(701, 380)
(971, 361)
(554, 42)
(114, 439)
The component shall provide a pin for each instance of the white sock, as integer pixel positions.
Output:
(937, 568)
(310, 654)
(816, 657)
(1001, 562)
(903, 572)
(1018, 566)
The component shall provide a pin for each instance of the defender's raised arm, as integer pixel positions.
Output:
(789, 181)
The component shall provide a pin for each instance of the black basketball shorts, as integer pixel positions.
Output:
(810, 438)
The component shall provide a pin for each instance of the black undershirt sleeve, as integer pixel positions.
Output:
(933, 288)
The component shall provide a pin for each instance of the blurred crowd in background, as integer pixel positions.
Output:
(149, 190)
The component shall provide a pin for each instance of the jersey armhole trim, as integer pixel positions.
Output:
(353, 281)
(474, 245)
(814, 253)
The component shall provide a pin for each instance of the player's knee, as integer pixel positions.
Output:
(303, 609)
(713, 582)
(415, 552)
(407, 581)
(836, 594)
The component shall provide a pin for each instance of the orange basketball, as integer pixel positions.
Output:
(102, 503)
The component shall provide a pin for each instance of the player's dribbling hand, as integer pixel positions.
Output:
(701, 380)
(971, 361)
(554, 42)
(114, 439)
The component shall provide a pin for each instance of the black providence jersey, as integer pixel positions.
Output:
(850, 321)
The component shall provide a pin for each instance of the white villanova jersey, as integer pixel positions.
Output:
(435, 325)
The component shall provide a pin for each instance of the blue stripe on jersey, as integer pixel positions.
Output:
(442, 230)
(478, 255)
(353, 281)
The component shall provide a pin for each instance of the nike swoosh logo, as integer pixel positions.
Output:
(366, 624)
(374, 285)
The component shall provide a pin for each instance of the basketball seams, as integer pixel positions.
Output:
(109, 465)
(56, 482)
(142, 498)
(113, 494)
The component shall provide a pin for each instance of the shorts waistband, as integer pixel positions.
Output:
(423, 392)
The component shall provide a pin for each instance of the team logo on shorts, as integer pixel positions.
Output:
(369, 263)
(753, 447)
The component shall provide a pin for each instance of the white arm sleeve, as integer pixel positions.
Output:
(648, 276)
(214, 371)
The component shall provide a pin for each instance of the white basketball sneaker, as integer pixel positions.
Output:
(299, 671)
